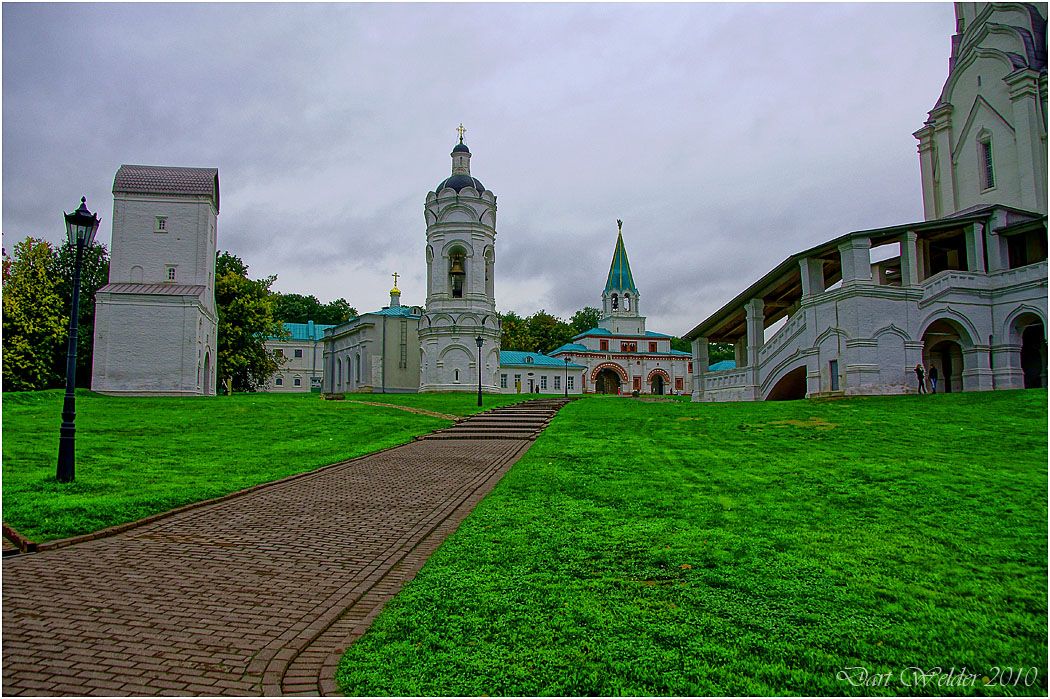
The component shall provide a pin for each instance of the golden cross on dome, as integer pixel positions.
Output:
(461, 131)
(395, 275)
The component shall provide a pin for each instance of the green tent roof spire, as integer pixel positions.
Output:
(620, 278)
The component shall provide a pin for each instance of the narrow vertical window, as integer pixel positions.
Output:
(987, 170)
(162, 224)
(171, 274)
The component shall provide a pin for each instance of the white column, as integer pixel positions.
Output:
(701, 356)
(1024, 92)
(856, 260)
(812, 276)
(977, 369)
(755, 330)
(945, 178)
(975, 247)
(929, 187)
(909, 259)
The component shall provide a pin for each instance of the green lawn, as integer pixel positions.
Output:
(140, 456)
(741, 549)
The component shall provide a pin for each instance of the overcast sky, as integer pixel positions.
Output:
(726, 136)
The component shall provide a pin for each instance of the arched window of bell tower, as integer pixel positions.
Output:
(457, 271)
(626, 302)
(615, 302)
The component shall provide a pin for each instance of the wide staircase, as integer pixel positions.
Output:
(523, 420)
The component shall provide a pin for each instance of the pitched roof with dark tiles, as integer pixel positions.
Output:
(152, 179)
(161, 289)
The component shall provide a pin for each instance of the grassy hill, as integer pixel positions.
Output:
(743, 549)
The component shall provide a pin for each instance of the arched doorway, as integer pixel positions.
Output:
(942, 349)
(791, 386)
(607, 382)
(1033, 355)
(659, 382)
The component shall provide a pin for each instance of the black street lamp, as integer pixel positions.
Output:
(480, 340)
(81, 226)
(566, 376)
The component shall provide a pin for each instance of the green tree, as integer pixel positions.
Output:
(296, 308)
(585, 319)
(720, 351)
(514, 334)
(338, 311)
(680, 344)
(34, 325)
(94, 273)
(547, 332)
(246, 321)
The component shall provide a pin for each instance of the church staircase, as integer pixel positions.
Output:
(523, 420)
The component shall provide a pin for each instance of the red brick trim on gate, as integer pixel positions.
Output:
(609, 365)
(649, 378)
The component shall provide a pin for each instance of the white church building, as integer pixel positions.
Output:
(155, 321)
(964, 291)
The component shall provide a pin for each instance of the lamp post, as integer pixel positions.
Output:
(81, 226)
(480, 340)
(566, 376)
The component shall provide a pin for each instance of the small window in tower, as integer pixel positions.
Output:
(615, 302)
(652, 347)
(603, 345)
(162, 224)
(987, 169)
(171, 274)
(626, 302)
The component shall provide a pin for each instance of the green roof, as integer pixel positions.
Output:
(513, 358)
(403, 311)
(305, 331)
(620, 278)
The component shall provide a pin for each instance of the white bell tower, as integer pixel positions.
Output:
(461, 305)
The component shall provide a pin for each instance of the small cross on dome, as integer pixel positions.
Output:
(461, 131)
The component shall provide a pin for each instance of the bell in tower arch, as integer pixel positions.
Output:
(457, 274)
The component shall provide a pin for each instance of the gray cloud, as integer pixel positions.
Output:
(726, 136)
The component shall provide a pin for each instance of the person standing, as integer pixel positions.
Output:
(933, 378)
(920, 374)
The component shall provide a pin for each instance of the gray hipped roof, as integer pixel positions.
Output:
(152, 179)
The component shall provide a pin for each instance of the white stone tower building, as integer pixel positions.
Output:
(985, 139)
(155, 321)
(461, 305)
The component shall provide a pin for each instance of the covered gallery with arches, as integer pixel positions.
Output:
(962, 294)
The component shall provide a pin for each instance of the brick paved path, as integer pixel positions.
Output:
(254, 595)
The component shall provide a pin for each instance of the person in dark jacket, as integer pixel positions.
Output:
(920, 374)
(933, 378)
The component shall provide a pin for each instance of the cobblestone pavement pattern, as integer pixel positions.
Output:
(254, 595)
